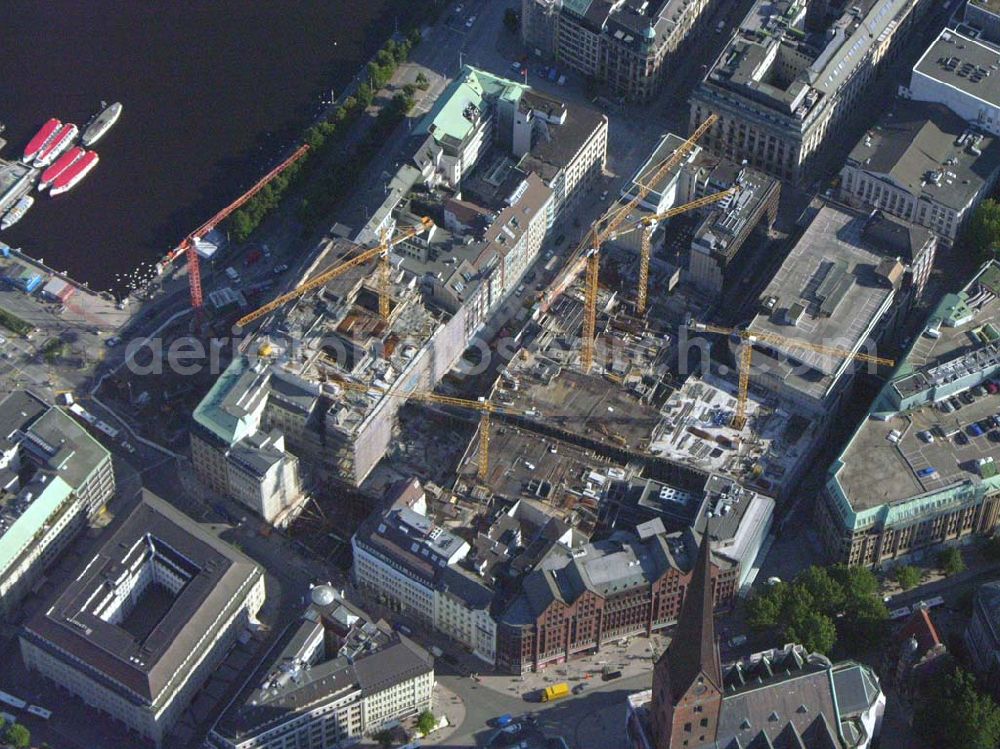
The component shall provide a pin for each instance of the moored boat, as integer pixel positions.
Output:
(101, 124)
(41, 139)
(16, 213)
(72, 175)
(60, 165)
(59, 143)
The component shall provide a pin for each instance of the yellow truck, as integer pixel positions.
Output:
(555, 692)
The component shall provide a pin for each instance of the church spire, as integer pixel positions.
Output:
(692, 650)
(687, 678)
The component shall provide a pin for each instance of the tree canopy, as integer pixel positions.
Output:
(982, 234)
(950, 561)
(18, 736)
(426, 722)
(821, 607)
(954, 714)
(907, 576)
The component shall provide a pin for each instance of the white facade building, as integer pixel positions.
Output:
(412, 565)
(337, 678)
(960, 73)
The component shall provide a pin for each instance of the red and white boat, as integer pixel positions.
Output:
(41, 139)
(61, 165)
(74, 173)
(59, 143)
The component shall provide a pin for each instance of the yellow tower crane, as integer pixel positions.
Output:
(749, 337)
(647, 223)
(607, 225)
(382, 250)
(485, 408)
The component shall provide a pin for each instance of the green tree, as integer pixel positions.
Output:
(426, 722)
(827, 593)
(907, 576)
(410, 90)
(18, 736)
(950, 561)
(764, 609)
(982, 234)
(422, 83)
(815, 631)
(954, 714)
(511, 20)
(365, 95)
(858, 582)
(384, 739)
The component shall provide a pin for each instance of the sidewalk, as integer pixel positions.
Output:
(633, 659)
(450, 705)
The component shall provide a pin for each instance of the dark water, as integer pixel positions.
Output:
(213, 92)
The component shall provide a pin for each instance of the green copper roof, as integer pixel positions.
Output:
(210, 412)
(447, 117)
(577, 7)
(37, 515)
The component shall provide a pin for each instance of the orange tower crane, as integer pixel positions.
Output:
(485, 408)
(749, 337)
(647, 223)
(187, 246)
(588, 252)
(382, 250)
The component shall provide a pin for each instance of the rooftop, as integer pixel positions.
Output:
(829, 291)
(334, 651)
(635, 23)
(964, 64)
(889, 460)
(457, 111)
(776, 62)
(66, 456)
(96, 615)
(696, 430)
(929, 151)
(727, 220)
(548, 155)
(664, 149)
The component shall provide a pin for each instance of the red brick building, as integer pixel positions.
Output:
(578, 600)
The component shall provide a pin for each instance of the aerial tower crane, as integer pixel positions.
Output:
(382, 250)
(485, 408)
(647, 223)
(749, 337)
(187, 246)
(588, 252)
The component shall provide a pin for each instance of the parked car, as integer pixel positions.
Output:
(280, 268)
(927, 472)
(974, 430)
(961, 439)
(926, 436)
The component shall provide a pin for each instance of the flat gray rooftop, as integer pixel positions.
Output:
(830, 277)
(877, 471)
(970, 66)
(915, 140)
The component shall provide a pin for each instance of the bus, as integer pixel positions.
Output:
(41, 712)
(9, 699)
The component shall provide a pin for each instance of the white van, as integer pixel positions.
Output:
(232, 274)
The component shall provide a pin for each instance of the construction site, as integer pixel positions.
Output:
(345, 384)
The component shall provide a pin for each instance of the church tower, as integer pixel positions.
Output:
(687, 678)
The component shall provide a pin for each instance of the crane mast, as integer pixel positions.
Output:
(187, 245)
(606, 226)
(326, 276)
(749, 337)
